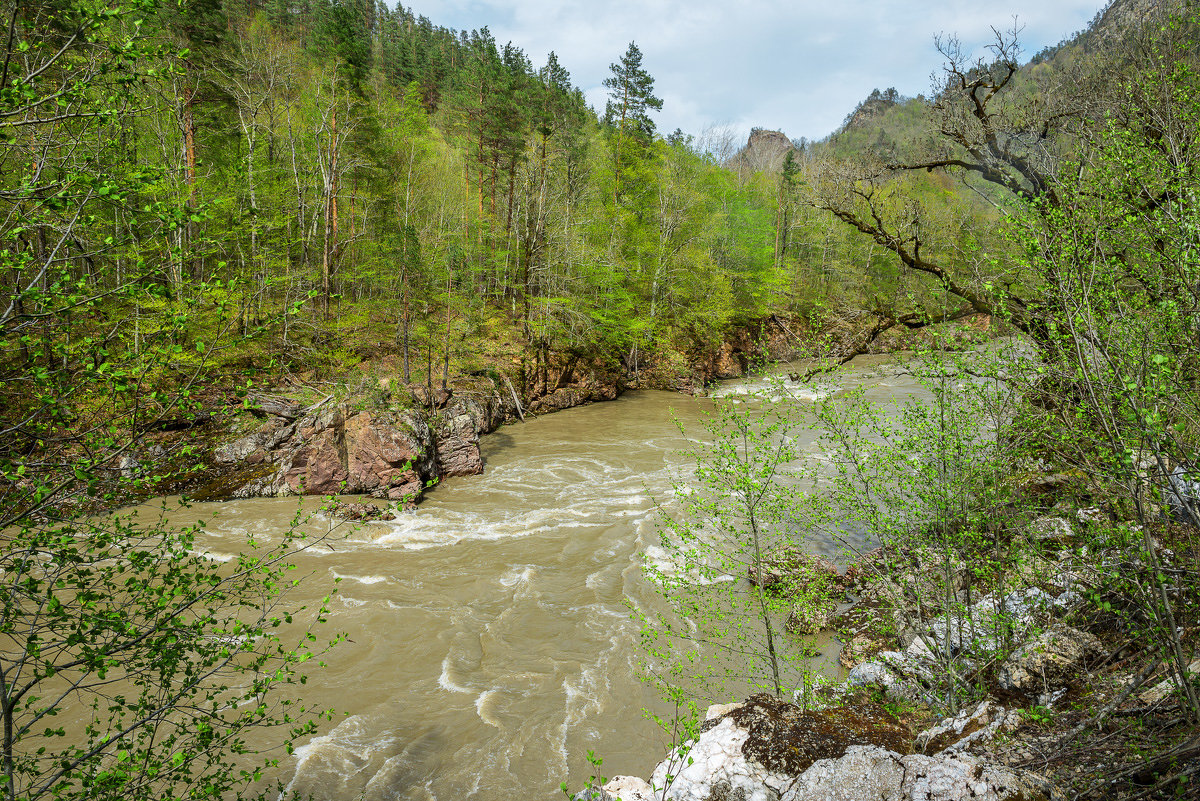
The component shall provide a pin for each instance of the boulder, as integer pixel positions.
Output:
(870, 773)
(955, 734)
(603, 390)
(458, 438)
(130, 467)
(789, 569)
(559, 399)
(1048, 484)
(621, 788)
(726, 364)
(329, 452)
(358, 512)
(811, 617)
(856, 651)
(978, 629)
(901, 676)
(1182, 496)
(1050, 530)
(714, 764)
(970, 636)
(768, 750)
(717, 711)
(1049, 660)
(754, 750)
(388, 458)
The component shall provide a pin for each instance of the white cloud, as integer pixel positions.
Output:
(799, 67)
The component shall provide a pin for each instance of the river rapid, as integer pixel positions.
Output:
(489, 638)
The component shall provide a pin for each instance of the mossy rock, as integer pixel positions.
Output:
(785, 739)
(228, 485)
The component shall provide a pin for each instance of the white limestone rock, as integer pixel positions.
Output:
(715, 767)
(1048, 529)
(970, 727)
(713, 764)
(870, 773)
(903, 676)
(1047, 661)
(720, 710)
(628, 788)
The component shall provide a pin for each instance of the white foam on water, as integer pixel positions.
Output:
(446, 679)
(670, 564)
(216, 556)
(627, 513)
(594, 580)
(359, 579)
(390, 604)
(519, 574)
(441, 528)
(349, 748)
(584, 697)
(572, 693)
(484, 708)
(353, 603)
(568, 524)
(321, 550)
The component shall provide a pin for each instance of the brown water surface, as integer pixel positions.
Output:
(490, 641)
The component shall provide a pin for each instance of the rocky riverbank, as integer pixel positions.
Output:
(371, 434)
(1035, 686)
(768, 750)
(393, 441)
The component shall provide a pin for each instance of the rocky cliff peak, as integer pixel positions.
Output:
(765, 151)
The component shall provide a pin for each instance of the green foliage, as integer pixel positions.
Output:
(130, 665)
(135, 668)
(1118, 257)
(923, 480)
(631, 98)
(726, 522)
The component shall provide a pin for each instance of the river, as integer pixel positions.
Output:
(490, 644)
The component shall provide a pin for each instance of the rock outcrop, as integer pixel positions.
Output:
(870, 773)
(1048, 661)
(384, 452)
(395, 452)
(329, 451)
(968, 727)
(789, 568)
(458, 434)
(571, 396)
(358, 512)
(764, 151)
(767, 750)
(969, 637)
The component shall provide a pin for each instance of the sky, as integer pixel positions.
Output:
(732, 65)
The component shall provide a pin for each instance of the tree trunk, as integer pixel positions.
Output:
(331, 225)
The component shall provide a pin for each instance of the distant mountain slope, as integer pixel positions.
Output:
(893, 127)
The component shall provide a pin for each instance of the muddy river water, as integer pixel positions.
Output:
(490, 644)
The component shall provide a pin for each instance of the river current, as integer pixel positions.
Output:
(489, 639)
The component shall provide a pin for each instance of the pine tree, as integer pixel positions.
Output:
(630, 98)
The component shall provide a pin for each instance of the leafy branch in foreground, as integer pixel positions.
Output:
(133, 667)
(925, 484)
(728, 523)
